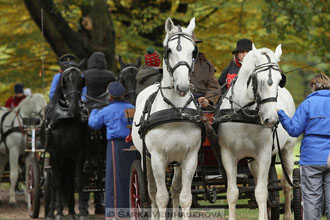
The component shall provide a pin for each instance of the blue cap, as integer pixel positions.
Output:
(19, 88)
(116, 89)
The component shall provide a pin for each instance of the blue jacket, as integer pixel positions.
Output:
(53, 86)
(313, 119)
(113, 117)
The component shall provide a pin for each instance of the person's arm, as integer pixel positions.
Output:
(297, 125)
(96, 120)
(53, 86)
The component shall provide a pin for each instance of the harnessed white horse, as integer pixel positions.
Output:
(12, 136)
(257, 86)
(178, 137)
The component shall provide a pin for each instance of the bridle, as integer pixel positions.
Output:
(122, 74)
(64, 74)
(167, 51)
(253, 78)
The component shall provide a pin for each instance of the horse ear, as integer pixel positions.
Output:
(278, 52)
(255, 51)
(169, 25)
(138, 62)
(191, 26)
(122, 65)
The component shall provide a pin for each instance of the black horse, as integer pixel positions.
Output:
(127, 77)
(65, 141)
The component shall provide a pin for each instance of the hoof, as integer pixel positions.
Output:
(49, 218)
(72, 217)
(59, 217)
(84, 217)
(12, 205)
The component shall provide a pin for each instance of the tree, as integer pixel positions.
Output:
(95, 31)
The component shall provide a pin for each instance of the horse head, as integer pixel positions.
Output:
(71, 84)
(32, 106)
(127, 77)
(263, 81)
(180, 51)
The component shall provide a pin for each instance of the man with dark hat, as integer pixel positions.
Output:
(206, 87)
(13, 101)
(149, 72)
(243, 46)
(118, 162)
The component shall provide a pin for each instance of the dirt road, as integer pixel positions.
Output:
(21, 212)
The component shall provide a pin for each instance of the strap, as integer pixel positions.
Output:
(280, 156)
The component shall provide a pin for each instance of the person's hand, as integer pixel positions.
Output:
(204, 102)
(277, 110)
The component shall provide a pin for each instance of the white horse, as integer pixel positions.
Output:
(175, 140)
(12, 137)
(257, 84)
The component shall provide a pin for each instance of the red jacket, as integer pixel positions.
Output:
(13, 101)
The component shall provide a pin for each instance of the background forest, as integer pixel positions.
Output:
(33, 33)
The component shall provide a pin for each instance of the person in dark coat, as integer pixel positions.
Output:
(312, 118)
(206, 87)
(118, 162)
(14, 101)
(149, 72)
(97, 79)
(243, 46)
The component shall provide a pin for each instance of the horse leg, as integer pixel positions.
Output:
(71, 201)
(261, 190)
(189, 165)
(13, 164)
(159, 165)
(3, 162)
(176, 189)
(152, 189)
(287, 155)
(230, 164)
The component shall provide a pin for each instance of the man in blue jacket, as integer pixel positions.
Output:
(313, 119)
(118, 162)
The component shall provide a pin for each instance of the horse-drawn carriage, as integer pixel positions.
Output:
(168, 128)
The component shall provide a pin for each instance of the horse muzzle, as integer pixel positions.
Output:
(182, 90)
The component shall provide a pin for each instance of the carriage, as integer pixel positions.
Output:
(209, 184)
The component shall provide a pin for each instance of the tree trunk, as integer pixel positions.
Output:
(99, 36)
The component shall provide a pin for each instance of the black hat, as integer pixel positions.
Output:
(243, 45)
(19, 88)
(116, 89)
(66, 60)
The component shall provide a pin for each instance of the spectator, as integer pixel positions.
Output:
(243, 46)
(14, 101)
(149, 72)
(206, 87)
(313, 119)
(118, 162)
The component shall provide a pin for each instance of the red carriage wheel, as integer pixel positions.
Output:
(33, 187)
(138, 197)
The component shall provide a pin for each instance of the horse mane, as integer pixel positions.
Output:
(174, 30)
(58, 92)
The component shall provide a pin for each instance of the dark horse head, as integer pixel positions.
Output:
(127, 77)
(68, 92)
(65, 141)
